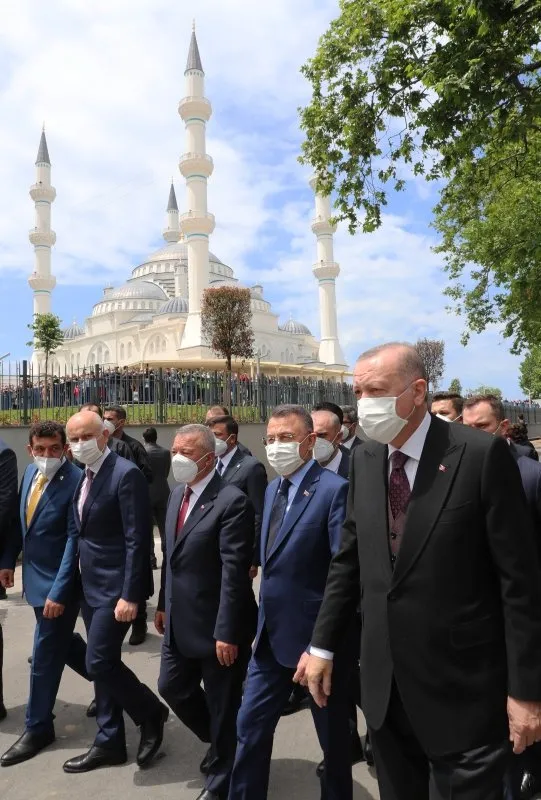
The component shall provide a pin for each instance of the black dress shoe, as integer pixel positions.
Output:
(27, 746)
(91, 710)
(29, 659)
(368, 754)
(357, 754)
(529, 786)
(206, 794)
(151, 736)
(94, 758)
(3, 712)
(204, 766)
(138, 632)
(298, 699)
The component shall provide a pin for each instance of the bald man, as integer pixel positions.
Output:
(112, 512)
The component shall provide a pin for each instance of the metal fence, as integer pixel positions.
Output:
(156, 395)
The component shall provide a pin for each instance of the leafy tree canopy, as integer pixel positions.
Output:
(455, 386)
(432, 352)
(530, 373)
(226, 320)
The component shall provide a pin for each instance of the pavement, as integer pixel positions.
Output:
(174, 775)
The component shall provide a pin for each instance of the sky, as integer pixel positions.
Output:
(106, 77)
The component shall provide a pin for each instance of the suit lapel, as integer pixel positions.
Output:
(173, 511)
(25, 493)
(435, 475)
(201, 508)
(233, 466)
(97, 483)
(304, 495)
(270, 497)
(50, 491)
(373, 485)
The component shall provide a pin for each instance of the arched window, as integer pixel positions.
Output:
(122, 351)
(129, 349)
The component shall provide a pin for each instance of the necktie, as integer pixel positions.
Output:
(35, 497)
(85, 489)
(277, 513)
(183, 509)
(220, 467)
(399, 497)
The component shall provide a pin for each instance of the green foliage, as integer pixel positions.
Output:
(484, 390)
(432, 352)
(48, 334)
(226, 321)
(455, 386)
(530, 373)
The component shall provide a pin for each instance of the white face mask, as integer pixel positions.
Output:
(445, 419)
(284, 457)
(323, 450)
(48, 466)
(184, 468)
(109, 426)
(378, 417)
(220, 447)
(86, 452)
(345, 431)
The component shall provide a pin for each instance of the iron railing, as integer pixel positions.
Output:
(156, 395)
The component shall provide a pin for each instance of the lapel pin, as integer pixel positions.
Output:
(306, 493)
(61, 477)
(202, 508)
(442, 468)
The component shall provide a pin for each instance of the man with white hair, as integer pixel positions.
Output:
(206, 607)
(112, 512)
(327, 447)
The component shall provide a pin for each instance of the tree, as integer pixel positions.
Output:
(484, 390)
(530, 373)
(455, 386)
(48, 337)
(432, 352)
(226, 322)
(419, 87)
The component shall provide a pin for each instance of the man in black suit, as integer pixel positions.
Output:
(439, 536)
(222, 411)
(349, 428)
(240, 469)
(206, 607)
(160, 464)
(328, 451)
(116, 416)
(8, 513)
(448, 406)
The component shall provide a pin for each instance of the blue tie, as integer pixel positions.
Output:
(278, 512)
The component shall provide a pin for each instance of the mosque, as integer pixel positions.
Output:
(155, 317)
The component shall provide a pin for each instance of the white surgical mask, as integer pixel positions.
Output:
(323, 450)
(220, 447)
(345, 431)
(48, 466)
(109, 426)
(284, 457)
(378, 417)
(445, 419)
(86, 452)
(184, 468)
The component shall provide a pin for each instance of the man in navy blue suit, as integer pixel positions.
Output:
(47, 534)
(302, 522)
(112, 512)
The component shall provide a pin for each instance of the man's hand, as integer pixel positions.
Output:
(159, 622)
(7, 578)
(226, 653)
(524, 723)
(298, 677)
(125, 611)
(253, 572)
(317, 676)
(52, 610)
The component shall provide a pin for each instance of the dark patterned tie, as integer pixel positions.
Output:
(399, 497)
(278, 512)
(220, 467)
(183, 511)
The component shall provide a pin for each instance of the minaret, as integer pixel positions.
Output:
(171, 232)
(196, 167)
(41, 236)
(326, 271)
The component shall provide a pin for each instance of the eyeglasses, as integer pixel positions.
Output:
(282, 437)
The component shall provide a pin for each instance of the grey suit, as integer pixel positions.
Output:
(160, 465)
(250, 476)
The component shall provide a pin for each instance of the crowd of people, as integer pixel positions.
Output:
(399, 574)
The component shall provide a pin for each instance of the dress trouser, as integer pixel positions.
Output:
(117, 688)
(55, 645)
(209, 712)
(267, 687)
(406, 772)
(159, 512)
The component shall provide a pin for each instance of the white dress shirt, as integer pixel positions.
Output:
(296, 479)
(334, 463)
(227, 458)
(348, 444)
(95, 468)
(197, 490)
(413, 449)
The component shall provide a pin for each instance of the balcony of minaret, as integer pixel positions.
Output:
(326, 270)
(321, 225)
(41, 282)
(39, 191)
(198, 107)
(42, 237)
(197, 222)
(196, 164)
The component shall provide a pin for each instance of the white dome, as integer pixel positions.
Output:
(175, 250)
(177, 305)
(137, 290)
(295, 327)
(73, 330)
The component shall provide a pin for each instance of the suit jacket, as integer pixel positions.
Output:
(8, 492)
(356, 442)
(457, 624)
(293, 575)
(244, 449)
(527, 450)
(49, 543)
(160, 464)
(250, 476)
(114, 534)
(530, 473)
(206, 590)
(343, 467)
(139, 455)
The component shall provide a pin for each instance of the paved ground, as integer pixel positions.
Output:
(175, 773)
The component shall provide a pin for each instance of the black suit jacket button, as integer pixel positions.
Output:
(392, 597)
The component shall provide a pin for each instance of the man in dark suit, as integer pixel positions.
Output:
(448, 406)
(112, 511)
(222, 411)
(160, 464)
(206, 608)
(116, 416)
(240, 469)
(302, 522)
(47, 534)
(451, 593)
(349, 428)
(8, 512)
(328, 451)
